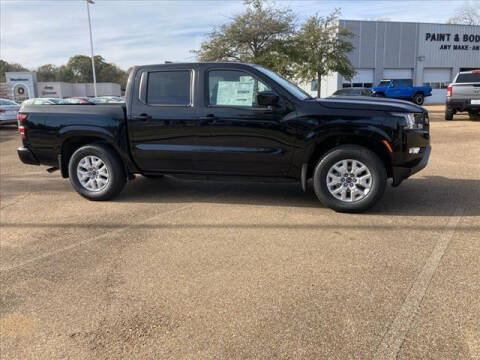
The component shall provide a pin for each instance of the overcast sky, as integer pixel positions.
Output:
(132, 32)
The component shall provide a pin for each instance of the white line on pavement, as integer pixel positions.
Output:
(395, 336)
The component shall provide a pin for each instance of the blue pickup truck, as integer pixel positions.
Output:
(402, 89)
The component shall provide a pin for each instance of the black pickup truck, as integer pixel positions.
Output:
(229, 120)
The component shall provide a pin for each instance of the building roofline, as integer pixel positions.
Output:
(408, 22)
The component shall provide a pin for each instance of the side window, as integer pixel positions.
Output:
(394, 83)
(233, 88)
(406, 83)
(169, 88)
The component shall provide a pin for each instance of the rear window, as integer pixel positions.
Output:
(169, 88)
(468, 78)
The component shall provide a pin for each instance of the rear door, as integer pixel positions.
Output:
(237, 136)
(163, 120)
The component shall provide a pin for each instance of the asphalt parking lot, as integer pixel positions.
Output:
(177, 269)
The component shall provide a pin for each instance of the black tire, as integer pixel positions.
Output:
(448, 114)
(378, 95)
(418, 99)
(354, 152)
(116, 172)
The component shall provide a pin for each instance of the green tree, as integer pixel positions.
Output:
(261, 35)
(79, 69)
(48, 72)
(7, 67)
(322, 47)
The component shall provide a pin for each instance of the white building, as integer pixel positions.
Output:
(429, 54)
(24, 85)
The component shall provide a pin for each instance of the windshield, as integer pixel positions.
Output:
(287, 85)
(384, 83)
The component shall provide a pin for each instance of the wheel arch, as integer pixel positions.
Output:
(372, 143)
(74, 142)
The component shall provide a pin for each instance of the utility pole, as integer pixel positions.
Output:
(91, 46)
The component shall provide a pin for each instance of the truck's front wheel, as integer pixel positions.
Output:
(96, 172)
(418, 99)
(349, 178)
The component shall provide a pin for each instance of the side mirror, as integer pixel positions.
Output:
(267, 98)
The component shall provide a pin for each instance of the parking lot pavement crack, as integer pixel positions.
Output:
(392, 341)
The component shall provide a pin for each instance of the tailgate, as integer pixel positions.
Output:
(466, 91)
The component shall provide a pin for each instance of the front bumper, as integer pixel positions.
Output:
(400, 173)
(26, 156)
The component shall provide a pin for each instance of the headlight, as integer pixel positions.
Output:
(413, 121)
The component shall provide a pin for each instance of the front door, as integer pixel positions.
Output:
(237, 136)
(163, 122)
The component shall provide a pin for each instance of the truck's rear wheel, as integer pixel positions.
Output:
(448, 114)
(349, 178)
(418, 99)
(96, 172)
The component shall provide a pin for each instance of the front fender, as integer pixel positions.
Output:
(367, 134)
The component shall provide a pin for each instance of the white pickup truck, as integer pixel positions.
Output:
(464, 95)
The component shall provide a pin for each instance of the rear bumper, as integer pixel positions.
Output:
(26, 156)
(400, 173)
(462, 105)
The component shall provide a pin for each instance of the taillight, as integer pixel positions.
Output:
(449, 91)
(476, 72)
(21, 127)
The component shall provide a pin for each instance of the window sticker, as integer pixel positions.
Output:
(236, 93)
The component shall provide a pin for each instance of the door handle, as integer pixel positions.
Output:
(142, 117)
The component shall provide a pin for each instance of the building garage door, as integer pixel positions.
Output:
(438, 79)
(362, 78)
(397, 73)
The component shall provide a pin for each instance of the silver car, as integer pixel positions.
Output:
(8, 111)
(463, 95)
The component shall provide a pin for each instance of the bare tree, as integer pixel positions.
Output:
(468, 14)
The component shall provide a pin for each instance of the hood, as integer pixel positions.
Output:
(369, 103)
